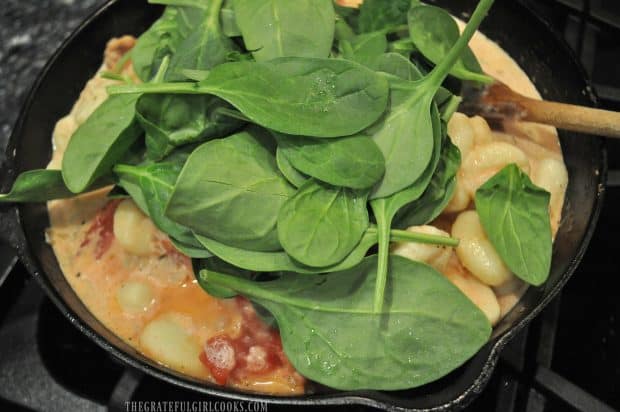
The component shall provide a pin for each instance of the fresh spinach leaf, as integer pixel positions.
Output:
(101, 142)
(191, 250)
(349, 16)
(326, 97)
(322, 224)
(231, 190)
(131, 184)
(364, 48)
(343, 31)
(385, 209)
(394, 134)
(382, 14)
(271, 262)
(354, 162)
(200, 4)
(283, 28)
(171, 121)
(448, 104)
(396, 65)
(218, 265)
(157, 42)
(404, 47)
(280, 261)
(406, 136)
(437, 195)
(434, 32)
(400, 66)
(195, 75)
(205, 47)
(294, 176)
(229, 20)
(156, 182)
(40, 186)
(515, 216)
(426, 329)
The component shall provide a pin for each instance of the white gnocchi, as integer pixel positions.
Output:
(476, 252)
(486, 160)
(461, 133)
(482, 131)
(551, 175)
(170, 343)
(460, 199)
(133, 230)
(135, 297)
(434, 255)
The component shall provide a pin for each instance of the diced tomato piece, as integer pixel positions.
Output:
(257, 351)
(103, 228)
(220, 358)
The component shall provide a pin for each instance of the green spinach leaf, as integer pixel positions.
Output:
(364, 48)
(404, 47)
(171, 121)
(343, 31)
(205, 47)
(385, 209)
(231, 190)
(354, 162)
(271, 262)
(326, 97)
(294, 176)
(426, 329)
(349, 17)
(156, 182)
(322, 224)
(199, 4)
(434, 32)
(382, 14)
(437, 195)
(229, 20)
(405, 138)
(40, 186)
(191, 250)
(155, 43)
(396, 65)
(131, 184)
(515, 215)
(280, 261)
(283, 28)
(101, 142)
(425, 134)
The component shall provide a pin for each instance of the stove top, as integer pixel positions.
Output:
(567, 360)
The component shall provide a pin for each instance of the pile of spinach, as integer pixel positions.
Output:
(259, 143)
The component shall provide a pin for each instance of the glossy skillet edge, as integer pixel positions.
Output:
(482, 365)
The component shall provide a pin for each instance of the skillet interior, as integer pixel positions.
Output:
(546, 60)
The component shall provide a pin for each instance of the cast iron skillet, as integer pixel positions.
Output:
(529, 40)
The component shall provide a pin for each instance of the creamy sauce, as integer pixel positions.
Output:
(153, 302)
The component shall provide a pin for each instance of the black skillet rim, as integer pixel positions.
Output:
(360, 398)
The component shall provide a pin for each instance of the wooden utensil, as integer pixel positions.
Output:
(498, 102)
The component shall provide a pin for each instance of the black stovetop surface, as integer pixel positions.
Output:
(569, 359)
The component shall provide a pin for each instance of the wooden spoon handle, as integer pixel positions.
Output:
(501, 99)
(574, 118)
